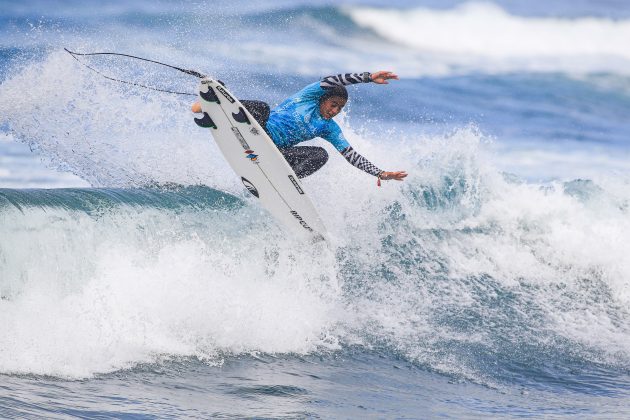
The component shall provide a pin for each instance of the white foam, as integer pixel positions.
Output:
(88, 295)
(561, 160)
(97, 130)
(558, 253)
(485, 37)
(132, 287)
(95, 294)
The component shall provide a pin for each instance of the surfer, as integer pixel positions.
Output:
(308, 114)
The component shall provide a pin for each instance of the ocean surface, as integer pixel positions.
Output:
(139, 279)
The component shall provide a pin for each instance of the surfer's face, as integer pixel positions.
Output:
(331, 107)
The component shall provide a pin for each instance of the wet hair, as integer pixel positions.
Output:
(335, 92)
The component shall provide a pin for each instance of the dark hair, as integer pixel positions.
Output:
(334, 92)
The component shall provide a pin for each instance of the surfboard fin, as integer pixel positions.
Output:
(210, 96)
(241, 116)
(205, 122)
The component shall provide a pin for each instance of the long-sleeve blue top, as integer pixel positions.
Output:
(298, 119)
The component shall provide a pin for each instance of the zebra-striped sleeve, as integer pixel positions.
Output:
(359, 161)
(345, 79)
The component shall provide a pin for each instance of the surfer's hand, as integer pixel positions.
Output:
(382, 76)
(398, 176)
(196, 107)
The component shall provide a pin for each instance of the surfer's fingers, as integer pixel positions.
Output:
(381, 77)
(381, 74)
(399, 176)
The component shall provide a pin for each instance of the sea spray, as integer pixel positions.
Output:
(458, 265)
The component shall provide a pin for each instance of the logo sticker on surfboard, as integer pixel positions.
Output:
(301, 221)
(296, 185)
(251, 155)
(240, 138)
(224, 93)
(250, 187)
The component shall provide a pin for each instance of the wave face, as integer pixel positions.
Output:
(98, 280)
(458, 267)
(493, 281)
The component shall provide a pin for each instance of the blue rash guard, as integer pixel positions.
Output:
(298, 119)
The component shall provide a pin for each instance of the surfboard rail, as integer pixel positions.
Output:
(257, 161)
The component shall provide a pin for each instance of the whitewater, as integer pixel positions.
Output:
(139, 278)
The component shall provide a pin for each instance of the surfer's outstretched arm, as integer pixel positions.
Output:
(358, 161)
(365, 165)
(337, 139)
(335, 136)
(380, 77)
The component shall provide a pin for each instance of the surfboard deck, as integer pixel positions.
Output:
(257, 161)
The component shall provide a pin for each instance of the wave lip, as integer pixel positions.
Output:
(484, 31)
(96, 200)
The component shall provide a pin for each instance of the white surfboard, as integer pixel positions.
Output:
(257, 161)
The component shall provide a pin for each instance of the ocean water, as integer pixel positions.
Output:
(139, 279)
